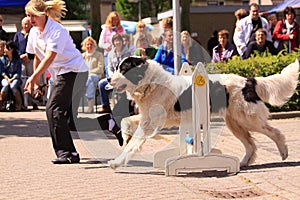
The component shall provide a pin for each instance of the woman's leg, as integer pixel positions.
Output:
(58, 113)
(91, 86)
(4, 90)
(104, 96)
(14, 85)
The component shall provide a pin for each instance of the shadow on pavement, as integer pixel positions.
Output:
(271, 165)
(23, 127)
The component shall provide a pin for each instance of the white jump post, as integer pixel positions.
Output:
(199, 157)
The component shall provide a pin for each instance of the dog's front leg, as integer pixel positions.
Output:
(129, 126)
(153, 120)
(133, 146)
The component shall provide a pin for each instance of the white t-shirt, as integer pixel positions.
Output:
(57, 39)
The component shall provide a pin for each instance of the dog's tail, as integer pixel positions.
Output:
(278, 88)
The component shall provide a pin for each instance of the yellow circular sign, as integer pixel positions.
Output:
(199, 80)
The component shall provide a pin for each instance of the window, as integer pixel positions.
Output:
(245, 3)
(215, 3)
(212, 3)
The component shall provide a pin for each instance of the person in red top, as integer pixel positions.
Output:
(286, 31)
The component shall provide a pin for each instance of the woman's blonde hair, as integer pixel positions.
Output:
(55, 9)
(140, 24)
(111, 15)
(187, 34)
(189, 43)
(86, 40)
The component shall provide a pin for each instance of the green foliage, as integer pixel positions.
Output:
(261, 65)
(76, 10)
(150, 8)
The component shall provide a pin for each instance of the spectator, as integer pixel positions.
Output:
(3, 34)
(186, 42)
(193, 51)
(240, 14)
(272, 19)
(94, 60)
(89, 29)
(141, 29)
(2, 46)
(157, 41)
(127, 43)
(212, 42)
(165, 23)
(118, 52)
(20, 39)
(112, 26)
(54, 50)
(11, 67)
(224, 50)
(246, 28)
(261, 44)
(144, 49)
(165, 54)
(286, 32)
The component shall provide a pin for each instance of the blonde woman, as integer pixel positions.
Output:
(95, 61)
(141, 29)
(193, 51)
(112, 26)
(55, 51)
(186, 43)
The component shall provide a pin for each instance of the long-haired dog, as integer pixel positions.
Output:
(165, 99)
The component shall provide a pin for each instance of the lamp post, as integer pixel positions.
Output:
(176, 37)
(140, 7)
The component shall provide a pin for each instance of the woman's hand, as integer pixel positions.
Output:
(30, 85)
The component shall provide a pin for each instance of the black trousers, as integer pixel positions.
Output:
(62, 109)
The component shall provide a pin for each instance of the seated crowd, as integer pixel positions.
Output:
(252, 35)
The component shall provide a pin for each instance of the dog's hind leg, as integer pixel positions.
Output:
(245, 137)
(277, 137)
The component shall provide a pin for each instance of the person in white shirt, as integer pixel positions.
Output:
(55, 51)
(246, 28)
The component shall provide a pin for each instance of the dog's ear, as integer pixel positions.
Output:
(130, 62)
(137, 61)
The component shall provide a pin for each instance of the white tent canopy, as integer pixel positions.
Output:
(280, 7)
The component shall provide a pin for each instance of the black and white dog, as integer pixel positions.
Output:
(159, 96)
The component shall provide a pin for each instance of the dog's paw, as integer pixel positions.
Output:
(244, 163)
(284, 154)
(113, 164)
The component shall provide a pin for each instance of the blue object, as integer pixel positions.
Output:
(129, 26)
(15, 3)
(189, 140)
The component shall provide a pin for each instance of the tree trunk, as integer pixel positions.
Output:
(95, 18)
(185, 15)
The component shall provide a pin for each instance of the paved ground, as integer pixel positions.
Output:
(27, 173)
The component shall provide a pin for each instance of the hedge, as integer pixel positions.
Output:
(261, 65)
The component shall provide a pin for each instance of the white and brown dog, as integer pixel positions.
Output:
(165, 99)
